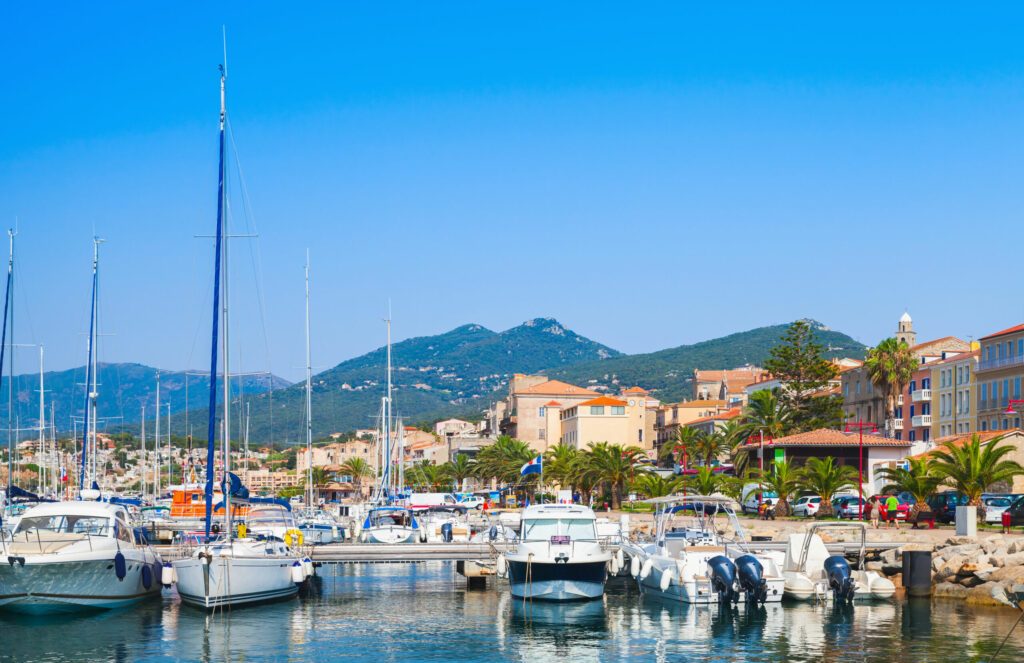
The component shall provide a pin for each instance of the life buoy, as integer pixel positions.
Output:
(292, 538)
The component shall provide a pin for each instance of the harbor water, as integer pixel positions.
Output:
(423, 612)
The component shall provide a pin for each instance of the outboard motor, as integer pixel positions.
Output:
(840, 579)
(751, 579)
(446, 532)
(723, 579)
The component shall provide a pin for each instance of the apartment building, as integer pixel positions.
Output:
(727, 385)
(999, 372)
(270, 482)
(526, 408)
(953, 394)
(669, 417)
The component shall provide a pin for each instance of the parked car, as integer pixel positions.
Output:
(993, 507)
(807, 505)
(944, 505)
(1016, 511)
(902, 511)
(753, 495)
(850, 507)
(471, 502)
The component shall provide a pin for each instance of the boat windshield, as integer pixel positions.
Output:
(542, 529)
(267, 518)
(397, 518)
(65, 524)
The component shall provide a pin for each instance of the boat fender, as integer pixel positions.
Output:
(147, 577)
(620, 558)
(334, 533)
(502, 566)
(307, 566)
(298, 575)
(613, 566)
(645, 569)
(423, 536)
(120, 567)
(634, 566)
(167, 575)
(666, 579)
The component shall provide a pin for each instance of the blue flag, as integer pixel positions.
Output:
(534, 466)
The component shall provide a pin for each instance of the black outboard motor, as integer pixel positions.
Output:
(446, 532)
(840, 579)
(723, 579)
(751, 579)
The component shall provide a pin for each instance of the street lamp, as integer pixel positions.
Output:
(1012, 407)
(860, 426)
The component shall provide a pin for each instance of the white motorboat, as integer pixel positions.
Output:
(812, 573)
(559, 557)
(690, 562)
(68, 556)
(391, 524)
(319, 527)
(444, 524)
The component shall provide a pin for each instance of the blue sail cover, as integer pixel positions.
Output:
(235, 489)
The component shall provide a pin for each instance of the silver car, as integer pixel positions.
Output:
(994, 507)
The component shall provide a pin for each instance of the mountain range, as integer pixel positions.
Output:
(457, 373)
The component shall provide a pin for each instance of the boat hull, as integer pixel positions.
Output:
(551, 581)
(45, 587)
(234, 581)
(389, 535)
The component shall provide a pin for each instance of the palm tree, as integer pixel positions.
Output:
(560, 465)
(824, 477)
(613, 465)
(357, 468)
(920, 480)
(427, 475)
(503, 459)
(460, 468)
(973, 467)
(655, 485)
(709, 446)
(705, 482)
(766, 417)
(890, 365)
(783, 480)
(684, 445)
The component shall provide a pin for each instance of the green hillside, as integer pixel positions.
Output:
(668, 373)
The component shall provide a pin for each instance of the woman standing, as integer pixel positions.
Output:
(876, 512)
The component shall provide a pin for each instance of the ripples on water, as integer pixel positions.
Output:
(422, 612)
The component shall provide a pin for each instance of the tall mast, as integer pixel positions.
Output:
(387, 410)
(211, 427)
(309, 401)
(90, 379)
(170, 451)
(144, 463)
(156, 441)
(42, 427)
(3, 347)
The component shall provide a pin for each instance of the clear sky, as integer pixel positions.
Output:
(649, 174)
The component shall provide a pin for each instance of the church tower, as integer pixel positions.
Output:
(905, 331)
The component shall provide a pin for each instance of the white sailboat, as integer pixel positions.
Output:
(74, 555)
(227, 571)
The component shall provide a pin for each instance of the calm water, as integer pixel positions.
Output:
(421, 612)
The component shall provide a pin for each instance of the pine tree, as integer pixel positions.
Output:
(798, 363)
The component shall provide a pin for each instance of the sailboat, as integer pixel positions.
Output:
(82, 554)
(224, 571)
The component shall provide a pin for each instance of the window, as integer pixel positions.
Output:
(1006, 391)
(640, 435)
(899, 435)
(926, 383)
(913, 386)
(858, 388)
(984, 427)
(926, 435)
(1016, 387)
(1020, 346)
(541, 412)
(999, 351)
(618, 409)
(911, 411)
(912, 435)
(541, 434)
(596, 409)
(967, 374)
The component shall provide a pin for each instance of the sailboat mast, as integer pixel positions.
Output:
(144, 463)
(3, 346)
(156, 441)
(94, 395)
(309, 400)
(42, 427)
(170, 454)
(211, 427)
(387, 411)
(224, 337)
(90, 383)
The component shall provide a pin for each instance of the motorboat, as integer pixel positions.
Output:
(319, 527)
(444, 524)
(689, 561)
(812, 573)
(69, 556)
(391, 524)
(559, 557)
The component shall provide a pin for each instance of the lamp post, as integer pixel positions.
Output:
(1012, 407)
(860, 426)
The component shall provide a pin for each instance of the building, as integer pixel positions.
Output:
(271, 482)
(454, 427)
(998, 377)
(844, 447)
(336, 453)
(863, 402)
(602, 419)
(715, 422)
(953, 394)
(917, 406)
(1013, 437)
(728, 385)
(670, 417)
(526, 415)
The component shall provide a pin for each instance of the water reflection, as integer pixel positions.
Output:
(423, 612)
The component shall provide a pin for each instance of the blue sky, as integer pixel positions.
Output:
(650, 178)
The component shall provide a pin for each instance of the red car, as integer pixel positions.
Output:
(901, 512)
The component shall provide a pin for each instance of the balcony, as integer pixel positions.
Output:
(921, 420)
(921, 395)
(897, 424)
(1005, 362)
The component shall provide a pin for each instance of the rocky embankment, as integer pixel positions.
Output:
(981, 572)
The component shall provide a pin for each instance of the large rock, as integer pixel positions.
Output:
(963, 549)
(937, 562)
(892, 569)
(997, 556)
(948, 590)
(989, 593)
(1015, 559)
(1015, 547)
(960, 540)
(1008, 575)
(969, 581)
(890, 556)
(950, 567)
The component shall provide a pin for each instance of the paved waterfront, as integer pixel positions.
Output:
(421, 612)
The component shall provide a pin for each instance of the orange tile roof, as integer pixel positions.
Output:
(552, 404)
(634, 390)
(557, 388)
(603, 400)
(731, 413)
(698, 403)
(1008, 330)
(960, 440)
(826, 437)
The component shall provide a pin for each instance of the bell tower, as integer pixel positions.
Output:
(905, 330)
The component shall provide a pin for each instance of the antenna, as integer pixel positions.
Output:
(224, 36)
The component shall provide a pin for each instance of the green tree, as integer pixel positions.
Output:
(655, 485)
(460, 468)
(890, 365)
(973, 467)
(705, 482)
(612, 465)
(920, 480)
(824, 477)
(427, 476)
(709, 446)
(782, 479)
(358, 469)
(765, 417)
(503, 460)
(798, 362)
(561, 463)
(683, 447)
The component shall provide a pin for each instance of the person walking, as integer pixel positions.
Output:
(876, 511)
(892, 505)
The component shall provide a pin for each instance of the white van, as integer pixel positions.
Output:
(432, 499)
(753, 495)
